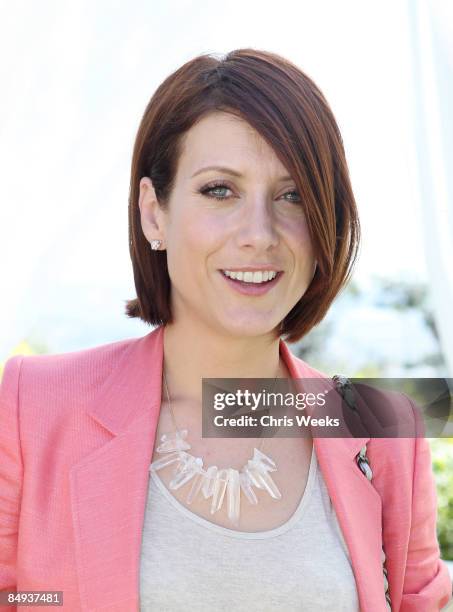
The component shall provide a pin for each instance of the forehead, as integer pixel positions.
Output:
(221, 138)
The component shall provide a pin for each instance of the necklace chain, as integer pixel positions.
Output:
(261, 446)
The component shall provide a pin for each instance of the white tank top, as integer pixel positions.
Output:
(189, 563)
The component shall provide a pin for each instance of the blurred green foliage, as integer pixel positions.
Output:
(442, 457)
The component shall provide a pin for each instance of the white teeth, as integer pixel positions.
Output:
(251, 277)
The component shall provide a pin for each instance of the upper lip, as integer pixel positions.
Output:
(254, 268)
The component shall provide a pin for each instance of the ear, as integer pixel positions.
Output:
(151, 214)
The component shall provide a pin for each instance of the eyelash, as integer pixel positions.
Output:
(210, 186)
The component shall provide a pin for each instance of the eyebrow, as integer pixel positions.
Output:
(232, 172)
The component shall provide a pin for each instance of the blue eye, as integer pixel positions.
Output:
(296, 192)
(209, 189)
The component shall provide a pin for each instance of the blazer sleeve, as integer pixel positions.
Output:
(427, 584)
(11, 472)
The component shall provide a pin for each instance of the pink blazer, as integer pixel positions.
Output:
(76, 438)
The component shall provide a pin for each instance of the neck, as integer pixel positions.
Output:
(190, 355)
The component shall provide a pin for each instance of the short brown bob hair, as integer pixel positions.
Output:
(289, 111)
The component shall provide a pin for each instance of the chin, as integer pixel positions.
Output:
(250, 327)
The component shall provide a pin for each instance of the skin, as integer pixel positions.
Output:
(217, 331)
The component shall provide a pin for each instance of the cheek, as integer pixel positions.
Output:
(298, 238)
(301, 246)
(193, 238)
(202, 232)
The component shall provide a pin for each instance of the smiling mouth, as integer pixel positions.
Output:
(249, 277)
(251, 288)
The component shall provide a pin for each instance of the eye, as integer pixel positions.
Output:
(209, 189)
(297, 196)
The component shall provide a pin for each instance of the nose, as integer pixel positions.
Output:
(258, 225)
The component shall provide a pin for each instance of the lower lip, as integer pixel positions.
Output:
(252, 288)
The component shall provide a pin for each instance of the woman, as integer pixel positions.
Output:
(238, 167)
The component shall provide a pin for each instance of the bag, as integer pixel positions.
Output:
(344, 386)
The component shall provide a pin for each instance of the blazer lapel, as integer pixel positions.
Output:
(356, 502)
(358, 508)
(109, 485)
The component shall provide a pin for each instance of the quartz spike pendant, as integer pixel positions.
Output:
(174, 441)
(209, 481)
(186, 471)
(246, 486)
(258, 468)
(233, 495)
(218, 494)
(259, 456)
(167, 460)
(196, 486)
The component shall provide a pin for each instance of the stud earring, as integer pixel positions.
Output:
(155, 244)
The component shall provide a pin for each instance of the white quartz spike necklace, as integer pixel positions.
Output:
(214, 483)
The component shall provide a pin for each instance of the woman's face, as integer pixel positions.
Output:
(256, 222)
